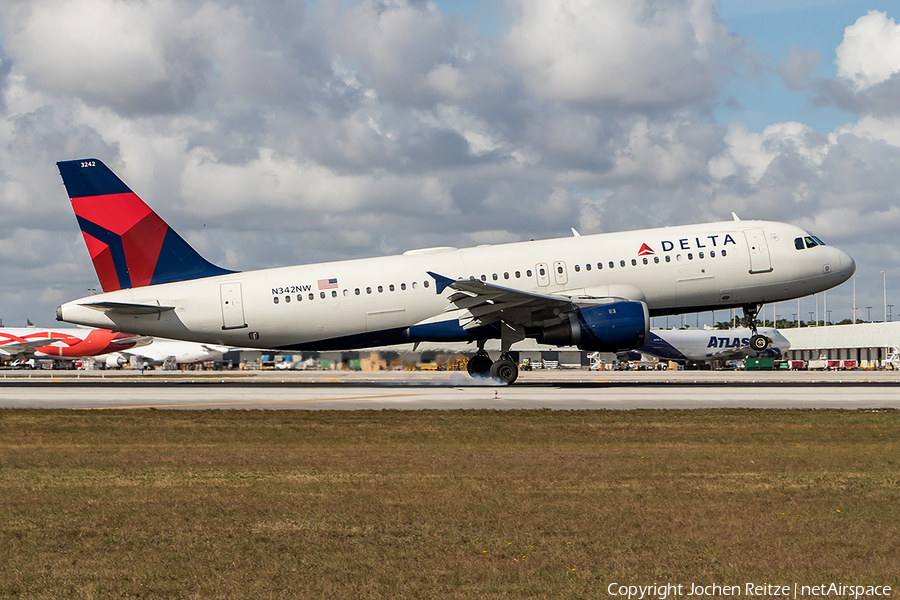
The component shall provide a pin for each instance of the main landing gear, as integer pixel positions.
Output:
(758, 342)
(480, 364)
(503, 371)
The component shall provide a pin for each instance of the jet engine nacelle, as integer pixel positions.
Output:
(602, 328)
(114, 361)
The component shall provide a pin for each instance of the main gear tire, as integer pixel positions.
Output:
(504, 371)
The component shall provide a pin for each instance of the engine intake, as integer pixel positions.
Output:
(602, 328)
(114, 361)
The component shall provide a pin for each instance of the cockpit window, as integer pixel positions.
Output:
(811, 242)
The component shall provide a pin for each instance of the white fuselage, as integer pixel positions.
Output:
(158, 350)
(342, 305)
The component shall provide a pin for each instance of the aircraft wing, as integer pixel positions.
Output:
(730, 353)
(742, 352)
(488, 303)
(16, 348)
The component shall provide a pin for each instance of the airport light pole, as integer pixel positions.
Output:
(827, 316)
(890, 310)
(810, 318)
(884, 282)
(795, 319)
(868, 314)
(816, 298)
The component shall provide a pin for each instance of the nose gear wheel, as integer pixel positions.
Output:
(758, 342)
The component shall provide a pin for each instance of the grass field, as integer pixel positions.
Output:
(442, 504)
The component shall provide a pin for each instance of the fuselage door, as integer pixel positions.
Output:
(232, 306)
(559, 272)
(760, 262)
(542, 272)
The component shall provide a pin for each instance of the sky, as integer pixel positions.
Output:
(278, 133)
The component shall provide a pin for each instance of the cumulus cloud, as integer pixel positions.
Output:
(868, 68)
(133, 56)
(870, 52)
(621, 53)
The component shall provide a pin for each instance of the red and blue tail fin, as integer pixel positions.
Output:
(128, 242)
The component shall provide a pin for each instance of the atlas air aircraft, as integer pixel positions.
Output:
(700, 345)
(596, 292)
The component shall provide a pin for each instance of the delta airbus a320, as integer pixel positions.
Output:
(596, 292)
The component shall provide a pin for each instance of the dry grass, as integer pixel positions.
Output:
(441, 504)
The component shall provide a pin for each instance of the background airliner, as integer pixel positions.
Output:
(596, 292)
(113, 347)
(160, 349)
(700, 345)
(65, 343)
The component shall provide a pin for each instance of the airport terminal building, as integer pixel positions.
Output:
(870, 344)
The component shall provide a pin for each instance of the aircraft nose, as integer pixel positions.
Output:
(848, 265)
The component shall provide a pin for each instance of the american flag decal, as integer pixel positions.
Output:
(328, 284)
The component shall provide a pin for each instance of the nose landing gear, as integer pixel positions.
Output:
(758, 342)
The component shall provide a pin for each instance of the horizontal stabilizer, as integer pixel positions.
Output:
(128, 308)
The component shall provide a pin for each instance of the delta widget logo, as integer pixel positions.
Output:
(645, 250)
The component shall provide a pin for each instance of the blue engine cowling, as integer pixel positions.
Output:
(602, 328)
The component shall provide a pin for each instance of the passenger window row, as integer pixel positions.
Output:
(589, 266)
(506, 275)
(518, 274)
(356, 292)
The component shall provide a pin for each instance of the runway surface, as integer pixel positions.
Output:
(581, 390)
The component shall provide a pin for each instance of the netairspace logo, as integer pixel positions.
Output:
(750, 590)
